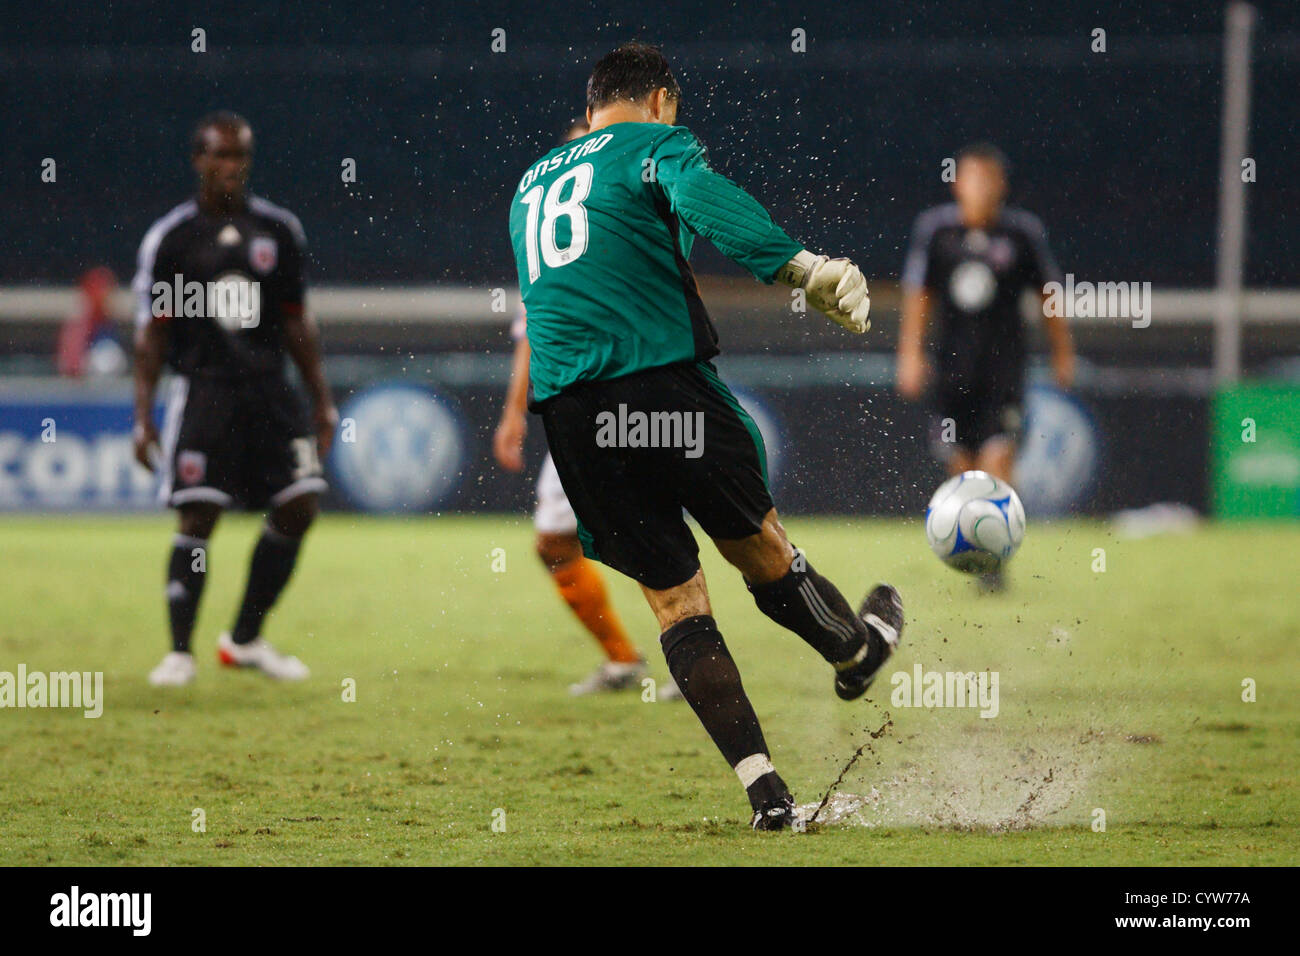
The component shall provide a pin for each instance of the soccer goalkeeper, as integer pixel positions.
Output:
(639, 424)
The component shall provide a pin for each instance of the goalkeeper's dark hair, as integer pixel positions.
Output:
(632, 71)
(223, 119)
(987, 152)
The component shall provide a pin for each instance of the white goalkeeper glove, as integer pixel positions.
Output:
(833, 286)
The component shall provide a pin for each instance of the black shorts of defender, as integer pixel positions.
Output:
(633, 452)
(241, 443)
(969, 417)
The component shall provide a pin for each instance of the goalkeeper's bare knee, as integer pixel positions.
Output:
(762, 557)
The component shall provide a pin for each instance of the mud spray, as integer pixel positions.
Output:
(971, 777)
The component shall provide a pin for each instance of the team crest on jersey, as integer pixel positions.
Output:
(262, 254)
(190, 467)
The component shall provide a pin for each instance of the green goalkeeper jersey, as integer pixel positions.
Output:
(602, 228)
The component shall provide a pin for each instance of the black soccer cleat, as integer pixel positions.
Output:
(882, 612)
(774, 816)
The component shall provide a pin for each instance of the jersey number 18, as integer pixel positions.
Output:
(549, 210)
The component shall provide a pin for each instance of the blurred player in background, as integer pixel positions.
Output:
(87, 345)
(602, 230)
(969, 264)
(235, 432)
(578, 580)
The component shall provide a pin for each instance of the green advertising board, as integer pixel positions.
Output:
(1256, 452)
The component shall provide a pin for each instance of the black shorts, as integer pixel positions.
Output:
(967, 418)
(629, 495)
(244, 443)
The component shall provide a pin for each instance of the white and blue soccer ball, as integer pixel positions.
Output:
(975, 522)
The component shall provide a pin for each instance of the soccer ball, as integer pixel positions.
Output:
(975, 522)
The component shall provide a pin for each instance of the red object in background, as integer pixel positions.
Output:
(91, 318)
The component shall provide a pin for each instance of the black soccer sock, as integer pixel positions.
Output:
(186, 574)
(805, 602)
(708, 679)
(268, 573)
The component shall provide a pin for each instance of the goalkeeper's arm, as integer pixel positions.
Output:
(717, 209)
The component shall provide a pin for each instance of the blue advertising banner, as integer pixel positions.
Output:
(400, 448)
(68, 448)
(408, 446)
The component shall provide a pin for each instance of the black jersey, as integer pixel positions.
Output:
(224, 284)
(976, 278)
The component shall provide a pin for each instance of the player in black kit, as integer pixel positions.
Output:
(219, 292)
(969, 264)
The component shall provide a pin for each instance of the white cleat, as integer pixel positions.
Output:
(668, 690)
(176, 670)
(262, 656)
(610, 676)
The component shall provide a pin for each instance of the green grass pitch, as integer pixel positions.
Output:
(1120, 694)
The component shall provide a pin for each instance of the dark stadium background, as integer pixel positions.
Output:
(1118, 152)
